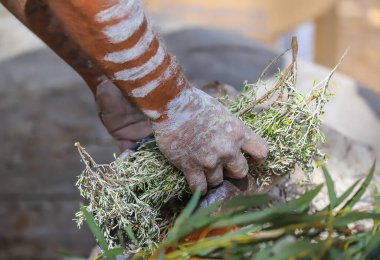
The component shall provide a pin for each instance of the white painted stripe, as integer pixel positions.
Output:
(142, 91)
(127, 27)
(143, 70)
(132, 53)
(152, 114)
(117, 11)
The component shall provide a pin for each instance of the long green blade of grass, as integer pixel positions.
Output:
(344, 196)
(330, 187)
(94, 228)
(298, 205)
(173, 235)
(357, 196)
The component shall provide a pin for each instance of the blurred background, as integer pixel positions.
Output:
(45, 107)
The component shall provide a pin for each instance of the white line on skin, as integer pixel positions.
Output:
(152, 114)
(143, 70)
(127, 27)
(132, 53)
(142, 91)
(189, 105)
(117, 11)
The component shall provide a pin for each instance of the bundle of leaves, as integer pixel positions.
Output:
(251, 228)
(283, 231)
(128, 194)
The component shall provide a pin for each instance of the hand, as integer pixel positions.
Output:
(125, 123)
(205, 141)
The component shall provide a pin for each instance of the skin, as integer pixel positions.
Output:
(110, 43)
(119, 116)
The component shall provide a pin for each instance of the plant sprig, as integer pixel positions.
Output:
(284, 231)
(131, 193)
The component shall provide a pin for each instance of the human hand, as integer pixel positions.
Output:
(204, 140)
(124, 122)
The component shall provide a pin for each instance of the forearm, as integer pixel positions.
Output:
(123, 121)
(36, 15)
(121, 42)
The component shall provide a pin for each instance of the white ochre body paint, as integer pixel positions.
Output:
(124, 29)
(142, 91)
(124, 19)
(132, 53)
(143, 70)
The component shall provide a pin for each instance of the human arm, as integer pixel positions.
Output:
(125, 123)
(194, 131)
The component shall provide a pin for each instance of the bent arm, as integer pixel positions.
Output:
(119, 39)
(120, 117)
(36, 15)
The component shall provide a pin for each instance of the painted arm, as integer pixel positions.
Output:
(120, 117)
(194, 131)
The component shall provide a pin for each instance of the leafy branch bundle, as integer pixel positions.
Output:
(128, 194)
(283, 231)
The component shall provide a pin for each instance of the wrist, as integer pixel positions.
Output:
(186, 107)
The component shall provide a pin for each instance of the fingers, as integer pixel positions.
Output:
(196, 178)
(256, 147)
(236, 168)
(215, 176)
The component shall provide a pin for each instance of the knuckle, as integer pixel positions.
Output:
(227, 154)
(237, 168)
(209, 162)
(239, 131)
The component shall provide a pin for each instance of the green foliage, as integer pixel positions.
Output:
(108, 254)
(128, 195)
(284, 231)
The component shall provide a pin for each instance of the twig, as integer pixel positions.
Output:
(275, 60)
(280, 81)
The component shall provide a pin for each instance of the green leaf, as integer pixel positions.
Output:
(347, 218)
(298, 205)
(345, 195)
(173, 235)
(95, 230)
(374, 254)
(330, 188)
(289, 248)
(200, 219)
(247, 201)
(302, 203)
(264, 254)
(373, 243)
(285, 219)
(335, 253)
(357, 196)
(131, 235)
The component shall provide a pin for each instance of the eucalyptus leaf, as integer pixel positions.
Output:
(174, 234)
(330, 188)
(94, 228)
(361, 190)
(351, 217)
